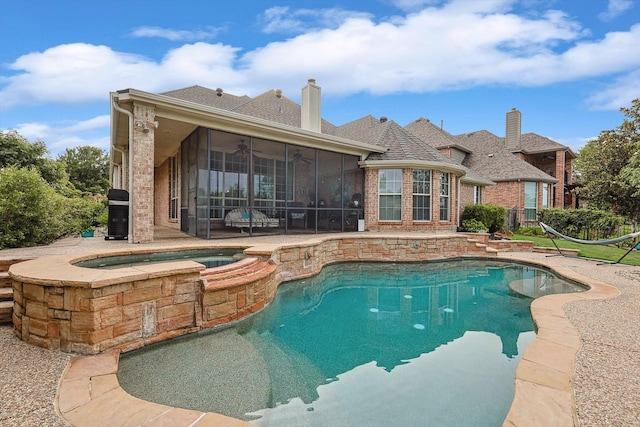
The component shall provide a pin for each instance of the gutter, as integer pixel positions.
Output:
(130, 169)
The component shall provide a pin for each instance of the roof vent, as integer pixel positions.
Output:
(383, 119)
(278, 93)
(219, 92)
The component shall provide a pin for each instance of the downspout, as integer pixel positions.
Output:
(130, 168)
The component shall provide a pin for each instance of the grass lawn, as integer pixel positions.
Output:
(605, 253)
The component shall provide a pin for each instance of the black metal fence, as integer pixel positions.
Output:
(517, 218)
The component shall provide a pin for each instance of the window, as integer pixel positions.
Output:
(477, 195)
(545, 195)
(421, 195)
(173, 187)
(390, 194)
(530, 200)
(444, 196)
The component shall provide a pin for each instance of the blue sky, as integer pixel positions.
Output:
(567, 65)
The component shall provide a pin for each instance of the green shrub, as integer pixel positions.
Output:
(492, 216)
(30, 209)
(473, 226)
(33, 213)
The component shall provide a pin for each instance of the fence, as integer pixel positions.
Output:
(517, 218)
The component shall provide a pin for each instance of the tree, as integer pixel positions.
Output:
(18, 151)
(88, 168)
(609, 167)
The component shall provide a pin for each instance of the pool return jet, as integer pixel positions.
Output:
(549, 230)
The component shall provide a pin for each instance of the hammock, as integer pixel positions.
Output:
(547, 229)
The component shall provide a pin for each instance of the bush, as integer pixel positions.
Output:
(83, 214)
(473, 226)
(589, 224)
(492, 216)
(30, 209)
(33, 213)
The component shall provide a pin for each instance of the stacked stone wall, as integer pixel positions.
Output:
(131, 308)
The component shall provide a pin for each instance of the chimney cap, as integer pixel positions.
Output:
(312, 81)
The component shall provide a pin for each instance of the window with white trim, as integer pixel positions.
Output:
(390, 194)
(444, 195)
(530, 200)
(173, 187)
(477, 195)
(421, 195)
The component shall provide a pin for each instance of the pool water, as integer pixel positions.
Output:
(360, 344)
(208, 257)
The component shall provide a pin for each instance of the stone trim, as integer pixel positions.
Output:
(61, 306)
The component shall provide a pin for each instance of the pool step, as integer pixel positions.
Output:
(6, 289)
(241, 272)
(6, 293)
(6, 311)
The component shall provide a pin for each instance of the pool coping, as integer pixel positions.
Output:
(89, 389)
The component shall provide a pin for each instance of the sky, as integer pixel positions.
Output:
(567, 65)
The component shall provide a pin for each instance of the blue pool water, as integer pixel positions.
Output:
(360, 344)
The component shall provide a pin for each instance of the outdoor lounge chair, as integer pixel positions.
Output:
(549, 230)
(244, 217)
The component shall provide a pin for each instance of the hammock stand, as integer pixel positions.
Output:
(549, 230)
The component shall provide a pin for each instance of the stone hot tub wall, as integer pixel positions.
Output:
(61, 306)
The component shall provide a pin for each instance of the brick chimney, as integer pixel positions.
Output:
(310, 117)
(514, 129)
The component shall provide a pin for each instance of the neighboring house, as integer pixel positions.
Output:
(210, 163)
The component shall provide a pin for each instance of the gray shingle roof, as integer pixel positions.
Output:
(534, 143)
(209, 97)
(403, 145)
(488, 159)
(433, 135)
(505, 166)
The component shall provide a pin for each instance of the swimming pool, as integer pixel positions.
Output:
(360, 344)
(208, 257)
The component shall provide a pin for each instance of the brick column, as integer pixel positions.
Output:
(435, 196)
(141, 196)
(558, 202)
(407, 198)
(371, 199)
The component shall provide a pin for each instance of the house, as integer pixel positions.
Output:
(213, 164)
(531, 172)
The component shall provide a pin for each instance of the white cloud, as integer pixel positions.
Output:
(80, 72)
(618, 94)
(411, 5)
(615, 8)
(457, 45)
(575, 143)
(282, 19)
(176, 35)
(60, 136)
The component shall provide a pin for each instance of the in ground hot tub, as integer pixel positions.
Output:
(208, 257)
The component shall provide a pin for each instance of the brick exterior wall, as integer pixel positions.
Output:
(406, 223)
(466, 195)
(508, 194)
(162, 195)
(89, 310)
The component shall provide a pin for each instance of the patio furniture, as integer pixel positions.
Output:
(245, 217)
(549, 230)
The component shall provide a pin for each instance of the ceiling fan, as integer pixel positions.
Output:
(243, 149)
(297, 157)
